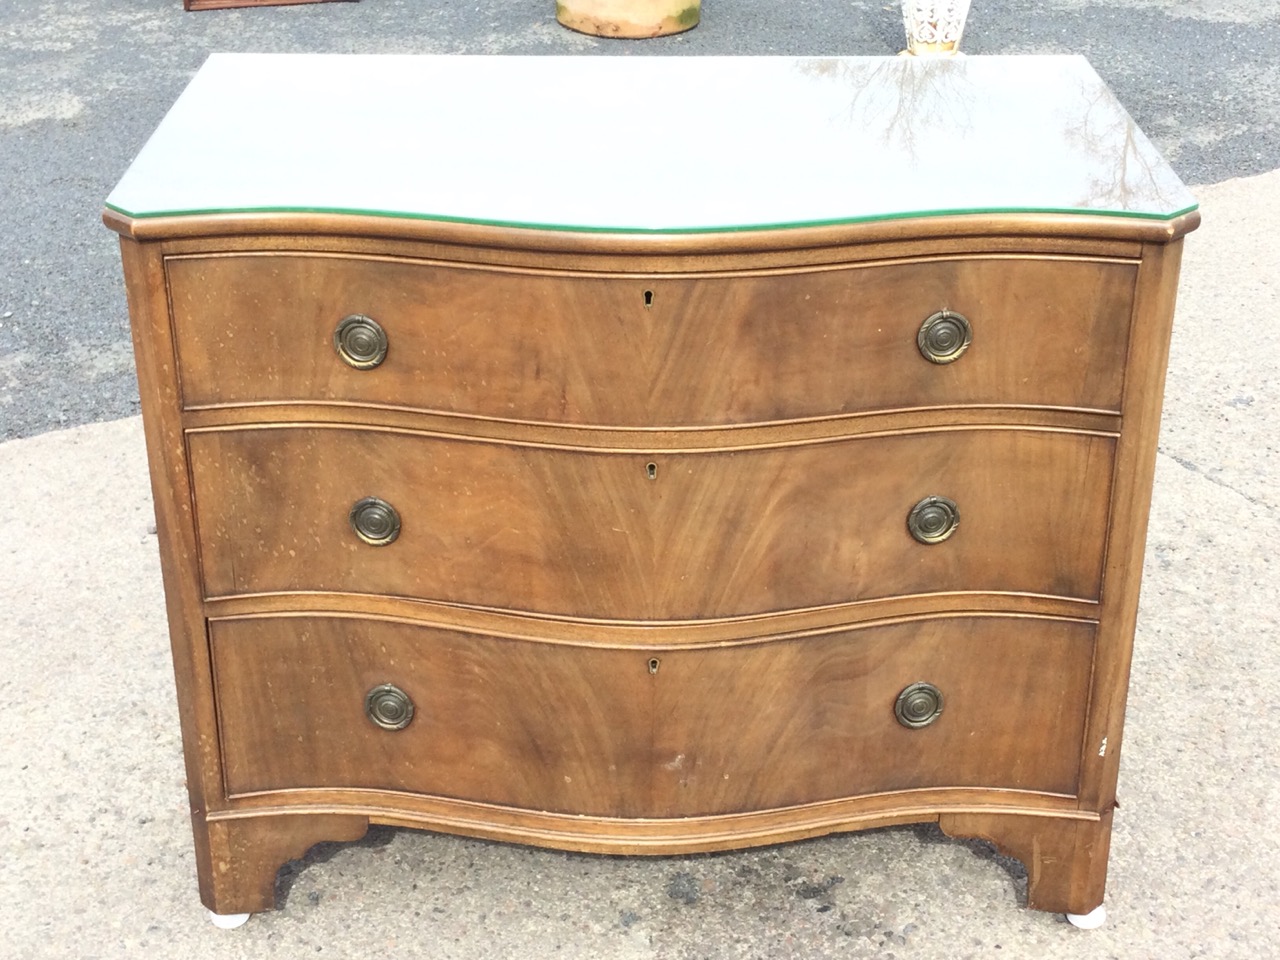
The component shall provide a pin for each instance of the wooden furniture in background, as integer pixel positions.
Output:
(780, 471)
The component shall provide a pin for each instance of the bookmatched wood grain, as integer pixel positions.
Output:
(633, 537)
(774, 384)
(651, 351)
(636, 733)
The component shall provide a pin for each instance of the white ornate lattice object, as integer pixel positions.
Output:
(934, 26)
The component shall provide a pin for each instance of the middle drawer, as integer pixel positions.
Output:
(629, 536)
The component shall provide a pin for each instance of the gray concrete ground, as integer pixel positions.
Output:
(95, 854)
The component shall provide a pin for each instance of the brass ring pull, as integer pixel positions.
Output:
(375, 521)
(389, 707)
(933, 519)
(918, 705)
(360, 341)
(944, 336)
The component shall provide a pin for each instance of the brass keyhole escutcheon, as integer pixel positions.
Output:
(360, 341)
(648, 299)
(933, 519)
(389, 707)
(375, 521)
(918, 705)
(944, 336)
(651, 471)
(654, 664)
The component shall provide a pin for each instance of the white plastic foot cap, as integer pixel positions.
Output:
(1091, 920)
(228, 921)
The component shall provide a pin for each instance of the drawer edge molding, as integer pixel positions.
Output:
(700, 271)
(594, 834)
(353, 225)
(683, 634)
(728, 436)
(596, 262)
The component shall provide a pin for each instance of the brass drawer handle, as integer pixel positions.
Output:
(918, 705)
(389, 707)
(375, 521)
(360, 341)
(933, 519)
(944, 336)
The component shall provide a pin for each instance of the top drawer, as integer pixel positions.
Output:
(636, 351)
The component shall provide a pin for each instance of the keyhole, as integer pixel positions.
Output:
(653, 665)
(648, 299)
(652, 470)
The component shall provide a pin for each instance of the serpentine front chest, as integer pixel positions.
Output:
(530, 470)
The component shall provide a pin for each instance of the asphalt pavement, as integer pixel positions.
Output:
(95, 851)
(84, 82)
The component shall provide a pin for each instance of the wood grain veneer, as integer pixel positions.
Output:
(654, 590)
(767, 566)
(606, 733)
(713, 534)
(636, 350)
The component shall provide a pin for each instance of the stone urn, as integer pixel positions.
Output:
(934, 26)
(629, 18)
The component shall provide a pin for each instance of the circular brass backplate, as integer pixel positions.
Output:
(933, 519)
(918, 705)
(360, 341)
(375, 521)
(944, 336)
(389, 707)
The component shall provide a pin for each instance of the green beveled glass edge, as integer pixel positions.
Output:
(740, 228)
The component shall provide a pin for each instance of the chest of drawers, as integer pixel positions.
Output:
(682, 501)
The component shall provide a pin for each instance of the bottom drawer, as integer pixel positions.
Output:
(650, 733)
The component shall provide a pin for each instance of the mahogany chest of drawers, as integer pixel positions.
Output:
(527, 473)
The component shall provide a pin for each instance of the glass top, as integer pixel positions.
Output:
(668, 144)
